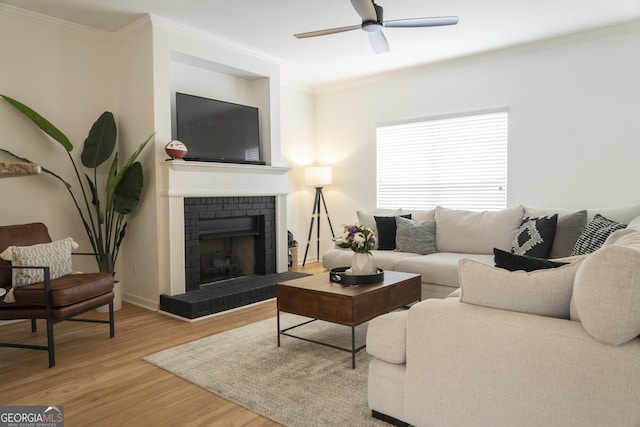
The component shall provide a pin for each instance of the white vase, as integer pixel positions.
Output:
(362, 264)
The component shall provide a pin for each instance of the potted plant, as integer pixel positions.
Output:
(103, 212)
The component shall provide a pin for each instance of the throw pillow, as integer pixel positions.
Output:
(595, 234)
(535, 236)
(513, 262)
(544, 292)
(568, 229)
(415, 237)
(56, 255)
(606, 294)
(386, 236)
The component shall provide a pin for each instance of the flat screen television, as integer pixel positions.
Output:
(218, 131)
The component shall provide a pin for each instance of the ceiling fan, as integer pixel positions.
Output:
(373, 22)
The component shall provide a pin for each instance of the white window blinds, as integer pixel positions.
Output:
(456, 162)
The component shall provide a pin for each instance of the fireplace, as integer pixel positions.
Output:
(228, 237)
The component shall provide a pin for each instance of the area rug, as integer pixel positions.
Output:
(298, 384)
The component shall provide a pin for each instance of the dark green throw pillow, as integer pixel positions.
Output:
(513, 262)
(386, 226)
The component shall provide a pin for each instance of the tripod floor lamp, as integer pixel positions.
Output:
(318, 177)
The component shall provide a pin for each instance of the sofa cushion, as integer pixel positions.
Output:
(622, 214)
(607, 292)
(66, 290)
(513, 262)
(595, 234)
(472, 232)
(543, 292)
(416, 237)
(634, 224)
(440, 268)
(535, 236)
(387, 337)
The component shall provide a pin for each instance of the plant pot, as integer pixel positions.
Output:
(363, 264)
(117, 299)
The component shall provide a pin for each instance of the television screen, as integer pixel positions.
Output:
(217, 131)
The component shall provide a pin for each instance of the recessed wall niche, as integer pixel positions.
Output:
(197, 76)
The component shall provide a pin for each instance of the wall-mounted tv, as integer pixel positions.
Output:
(218, 131)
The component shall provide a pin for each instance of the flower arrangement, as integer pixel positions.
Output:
(357, 238)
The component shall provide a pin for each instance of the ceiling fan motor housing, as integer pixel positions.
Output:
(373, 26)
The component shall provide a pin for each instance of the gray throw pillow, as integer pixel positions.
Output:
(569, 228)
(415, 237)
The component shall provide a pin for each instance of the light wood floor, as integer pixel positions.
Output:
(105, 382)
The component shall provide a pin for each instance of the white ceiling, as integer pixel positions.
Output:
(267, 27)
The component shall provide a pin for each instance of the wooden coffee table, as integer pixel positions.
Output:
(320, 299)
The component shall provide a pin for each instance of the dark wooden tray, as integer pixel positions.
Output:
(338, 275)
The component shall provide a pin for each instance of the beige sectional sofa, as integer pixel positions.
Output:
(464, 234)
(554, 347)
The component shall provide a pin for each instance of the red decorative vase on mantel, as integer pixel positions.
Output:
(176, 149)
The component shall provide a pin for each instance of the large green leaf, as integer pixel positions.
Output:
(126, 195)
(42, 123)
(101, 141)
(113, 181)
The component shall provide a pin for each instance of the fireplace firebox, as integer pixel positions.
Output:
(228, 237)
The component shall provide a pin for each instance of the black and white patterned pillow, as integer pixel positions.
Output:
(595, 234)
(535, 236)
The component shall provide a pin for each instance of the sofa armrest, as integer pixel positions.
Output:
(508, 368)
(387, 337)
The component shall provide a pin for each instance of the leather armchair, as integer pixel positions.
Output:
(53, 300)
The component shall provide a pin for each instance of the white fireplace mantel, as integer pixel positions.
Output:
(202, 179)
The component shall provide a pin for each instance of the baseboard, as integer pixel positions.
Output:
(140, 302)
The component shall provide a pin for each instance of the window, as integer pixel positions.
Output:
(457, 162)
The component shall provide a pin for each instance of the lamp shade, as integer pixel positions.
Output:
(318, 176)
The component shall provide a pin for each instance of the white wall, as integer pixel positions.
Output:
(298, 151)
(573, 120)
(66, 75)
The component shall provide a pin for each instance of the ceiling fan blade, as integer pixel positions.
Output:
(365, 9)
(434, 21)
(328, 31)
(378, 42)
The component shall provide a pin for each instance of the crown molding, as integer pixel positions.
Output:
(186, 30)
(50, 21)
(139, 24)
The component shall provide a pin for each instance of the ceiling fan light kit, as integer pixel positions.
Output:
(373, 23)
